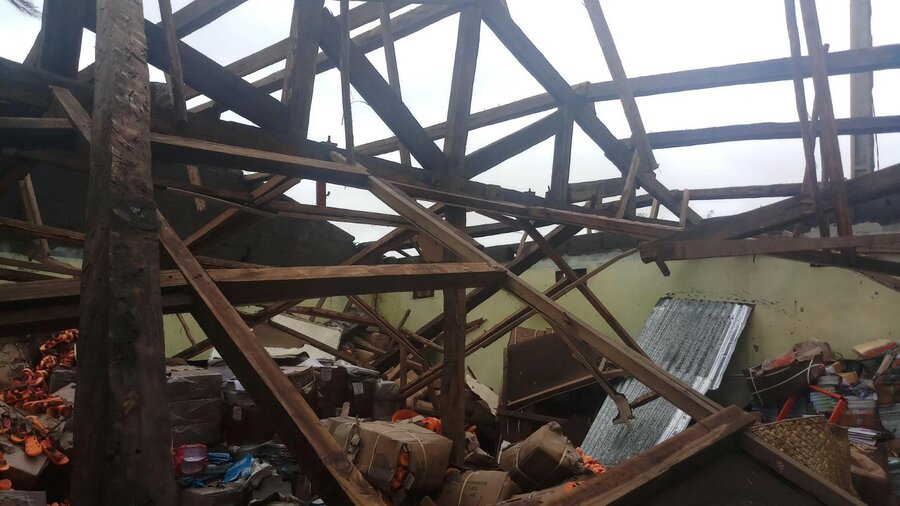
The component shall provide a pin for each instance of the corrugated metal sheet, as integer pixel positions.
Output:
(691, 339)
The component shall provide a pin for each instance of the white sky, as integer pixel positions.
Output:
(652, 36)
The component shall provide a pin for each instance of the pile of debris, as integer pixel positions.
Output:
(857, 395)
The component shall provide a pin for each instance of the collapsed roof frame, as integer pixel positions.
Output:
(279, 147)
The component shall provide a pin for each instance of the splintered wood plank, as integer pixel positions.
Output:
(334, 477)
(120, 406)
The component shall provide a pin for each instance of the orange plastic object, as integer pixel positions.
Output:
(403, 414)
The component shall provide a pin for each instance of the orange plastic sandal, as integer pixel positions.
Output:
(5, 484)
(4, 466)
(33, 447)
(57, 457)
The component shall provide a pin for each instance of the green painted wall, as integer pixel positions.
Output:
(793, 302)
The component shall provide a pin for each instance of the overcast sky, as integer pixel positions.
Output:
(652, 36)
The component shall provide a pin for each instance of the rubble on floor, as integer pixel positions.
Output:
(226, 452)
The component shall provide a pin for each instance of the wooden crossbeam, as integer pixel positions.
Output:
(713, 248)
(333, 475)
(786, 212)
(838, 63)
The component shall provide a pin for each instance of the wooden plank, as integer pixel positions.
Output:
(637, 479)
(379, 95)
(387, 328)
(175, 74)
(497, 152)
(617, 71)
(335, 315)
(562, 158)
(506, 325)
(200, 13)
(713, 248)
(208, 77)
(334, 477)
(303, 48)
(60, 38)
(56, 267)
(187, 20)
(315, 343)
(580, 217)
(639, 366)
(267, 284)
(810, 182)
(626, 203)
(27, 229)
(497, 17)
(193, 173)
(786, 212)
(838, 63)
(390, 59)
(33, 213)
(830, 149)
(123, 423)
(274, 53)
(589, 295)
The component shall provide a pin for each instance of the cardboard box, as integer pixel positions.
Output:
(331, 386)
(245, 422)
(196, 411)
(375, 448)
(361, 394)
(212, 496)
(476, 488)
(184, 383)
(544, 458)
(208, 433)
(22, 498)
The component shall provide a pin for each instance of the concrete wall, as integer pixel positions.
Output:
(793, 302)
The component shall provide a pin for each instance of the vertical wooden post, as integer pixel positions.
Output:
(122, 430)
(453, 379)
(562, 158)
(685, 199)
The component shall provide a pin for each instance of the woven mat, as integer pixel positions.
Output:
(815, 443)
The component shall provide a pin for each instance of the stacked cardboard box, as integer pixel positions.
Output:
(195, 405)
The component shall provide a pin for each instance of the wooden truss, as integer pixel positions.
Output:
(53, 115)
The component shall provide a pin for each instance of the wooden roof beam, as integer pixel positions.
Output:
(838, 63)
